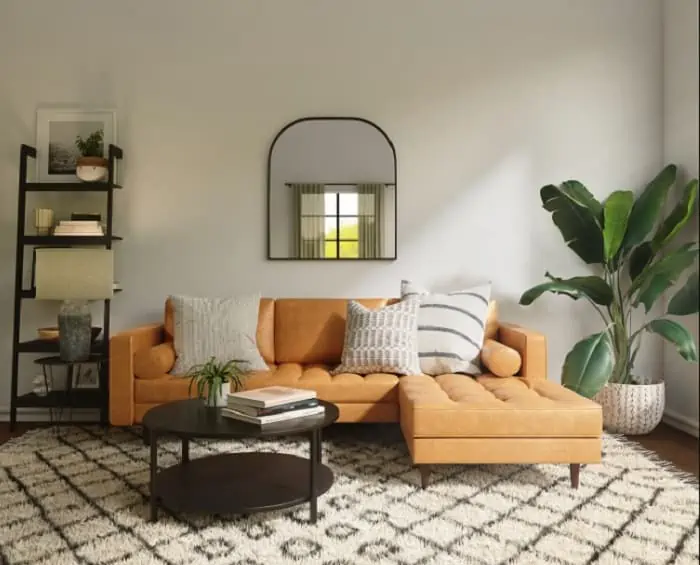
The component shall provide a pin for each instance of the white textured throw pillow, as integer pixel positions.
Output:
(382, 340)
(450, 328)
(224, 328)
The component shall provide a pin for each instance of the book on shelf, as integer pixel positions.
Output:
(86, 216)
(272, 418)
(269, 397)
(254, 411)
(78, 227)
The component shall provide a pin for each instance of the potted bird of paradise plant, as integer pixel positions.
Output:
(631, 245)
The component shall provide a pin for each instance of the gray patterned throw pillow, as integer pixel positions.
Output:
(381, 341)
(224, 328)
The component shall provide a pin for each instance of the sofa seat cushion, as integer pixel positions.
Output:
(342, 388)
(488, 406)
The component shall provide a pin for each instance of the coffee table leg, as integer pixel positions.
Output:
(185, 450)
(154, 470)
(319, 446)
(313, 462)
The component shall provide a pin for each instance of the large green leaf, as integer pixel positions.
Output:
(639, 259)
(678, 217)
(583, 197)
(648, 207)
(594, 287)
(685, 301)
(677, 335)
(577, 224)
(588, 366)
(616, 214)
(663, 274)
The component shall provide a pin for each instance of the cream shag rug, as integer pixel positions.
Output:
(80, 498)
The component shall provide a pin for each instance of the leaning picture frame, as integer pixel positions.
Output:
(86, 377)
(56, 131)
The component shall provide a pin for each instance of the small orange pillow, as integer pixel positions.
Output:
(154, 362)
(499, 359)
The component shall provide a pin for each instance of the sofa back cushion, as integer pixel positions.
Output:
(312, 330)
(280, 322)
(265, 335)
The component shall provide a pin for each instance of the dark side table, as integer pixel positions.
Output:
(234, 483)
(68, 398)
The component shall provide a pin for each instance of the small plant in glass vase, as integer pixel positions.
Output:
(91, 166)
(210, 378)
(631, 244)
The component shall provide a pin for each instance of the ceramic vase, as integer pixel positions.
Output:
(219, 399)
(74, 331)
(91, 169)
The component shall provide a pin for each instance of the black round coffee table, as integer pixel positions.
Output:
(234, 483)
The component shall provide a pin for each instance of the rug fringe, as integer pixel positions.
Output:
(684, 476)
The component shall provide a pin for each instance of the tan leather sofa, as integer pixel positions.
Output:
(445, 419)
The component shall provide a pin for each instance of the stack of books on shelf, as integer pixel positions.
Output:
(79, 227)
(272, 404)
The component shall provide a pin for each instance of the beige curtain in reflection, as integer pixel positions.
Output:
(308, 227)
(370, 207)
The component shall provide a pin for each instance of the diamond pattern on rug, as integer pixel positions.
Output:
(81, 498)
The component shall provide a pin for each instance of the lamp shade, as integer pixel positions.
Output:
(74, 274)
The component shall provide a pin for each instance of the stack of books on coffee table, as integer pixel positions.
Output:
(272, 404)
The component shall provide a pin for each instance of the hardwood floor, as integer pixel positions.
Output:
(675, 446)
(670, 444)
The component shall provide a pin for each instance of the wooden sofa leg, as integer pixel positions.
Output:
(424, 475)
(574, 470)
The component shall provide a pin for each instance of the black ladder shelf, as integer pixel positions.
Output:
(84, 398)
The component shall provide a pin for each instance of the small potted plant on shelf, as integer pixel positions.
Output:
(91, 166)
(210, 378)
(630, 243)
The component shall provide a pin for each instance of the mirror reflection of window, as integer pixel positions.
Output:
(331, 191)
(339, 222)
(341, 225)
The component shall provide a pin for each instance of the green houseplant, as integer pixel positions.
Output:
(91, 166)
(210, 378)
(629, 243)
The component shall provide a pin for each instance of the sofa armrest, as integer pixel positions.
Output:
(532, 347)
(122, 348)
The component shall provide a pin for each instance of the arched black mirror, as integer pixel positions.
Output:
(331, 191)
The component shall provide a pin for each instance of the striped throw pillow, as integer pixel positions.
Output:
(450, 328)
(382, 340)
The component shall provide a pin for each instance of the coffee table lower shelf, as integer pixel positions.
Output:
(239, 483)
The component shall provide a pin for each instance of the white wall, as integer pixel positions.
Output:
(681, 118)
(486, 101)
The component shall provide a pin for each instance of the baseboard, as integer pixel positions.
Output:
(42, 415)
(683, 423)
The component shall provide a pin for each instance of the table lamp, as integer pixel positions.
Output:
(74, 276)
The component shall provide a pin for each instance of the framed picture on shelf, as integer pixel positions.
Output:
(57, 130)
(86, 377)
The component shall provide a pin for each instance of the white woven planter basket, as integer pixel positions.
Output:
(632, 409)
